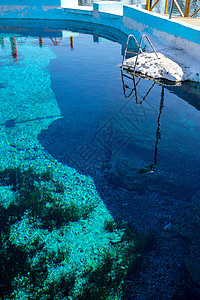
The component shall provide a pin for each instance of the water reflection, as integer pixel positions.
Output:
(57, 41)
(129, 90)
(13, 43)
(40, 41)
(152, 167)
(15, 39)
(2, 42)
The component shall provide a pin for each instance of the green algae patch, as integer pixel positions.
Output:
(66, 255)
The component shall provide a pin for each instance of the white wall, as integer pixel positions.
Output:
(69, 3)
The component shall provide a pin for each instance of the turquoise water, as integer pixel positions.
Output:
(99, 182)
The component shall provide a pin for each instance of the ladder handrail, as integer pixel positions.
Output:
(148, 39)
(139, 49)
(125, 52)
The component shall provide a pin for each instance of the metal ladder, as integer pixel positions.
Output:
(139, 50)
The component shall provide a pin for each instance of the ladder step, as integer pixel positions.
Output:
(131, 52)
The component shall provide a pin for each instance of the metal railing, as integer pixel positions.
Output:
(186, 11)
(139, 50)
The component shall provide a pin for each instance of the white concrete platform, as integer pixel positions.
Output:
(159, 67)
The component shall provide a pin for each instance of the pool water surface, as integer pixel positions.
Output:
(72, 125)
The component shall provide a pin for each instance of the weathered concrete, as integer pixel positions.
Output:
(159, 68)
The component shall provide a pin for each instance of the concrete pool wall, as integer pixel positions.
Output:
(167, 35)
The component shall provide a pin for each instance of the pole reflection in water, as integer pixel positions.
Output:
(72, 42)
(55, 41)
(2, 42)
(152, 167)
(126, 87)
(40, 41)
(13, 43)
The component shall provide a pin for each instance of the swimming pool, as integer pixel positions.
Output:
(79, 149)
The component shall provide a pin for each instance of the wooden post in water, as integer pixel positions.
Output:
(187, 8)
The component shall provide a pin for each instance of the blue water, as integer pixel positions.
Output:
(142, 152)
(97, 117)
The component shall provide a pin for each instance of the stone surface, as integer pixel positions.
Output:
(159, 68)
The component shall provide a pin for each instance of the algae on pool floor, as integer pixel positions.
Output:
(54, 240)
